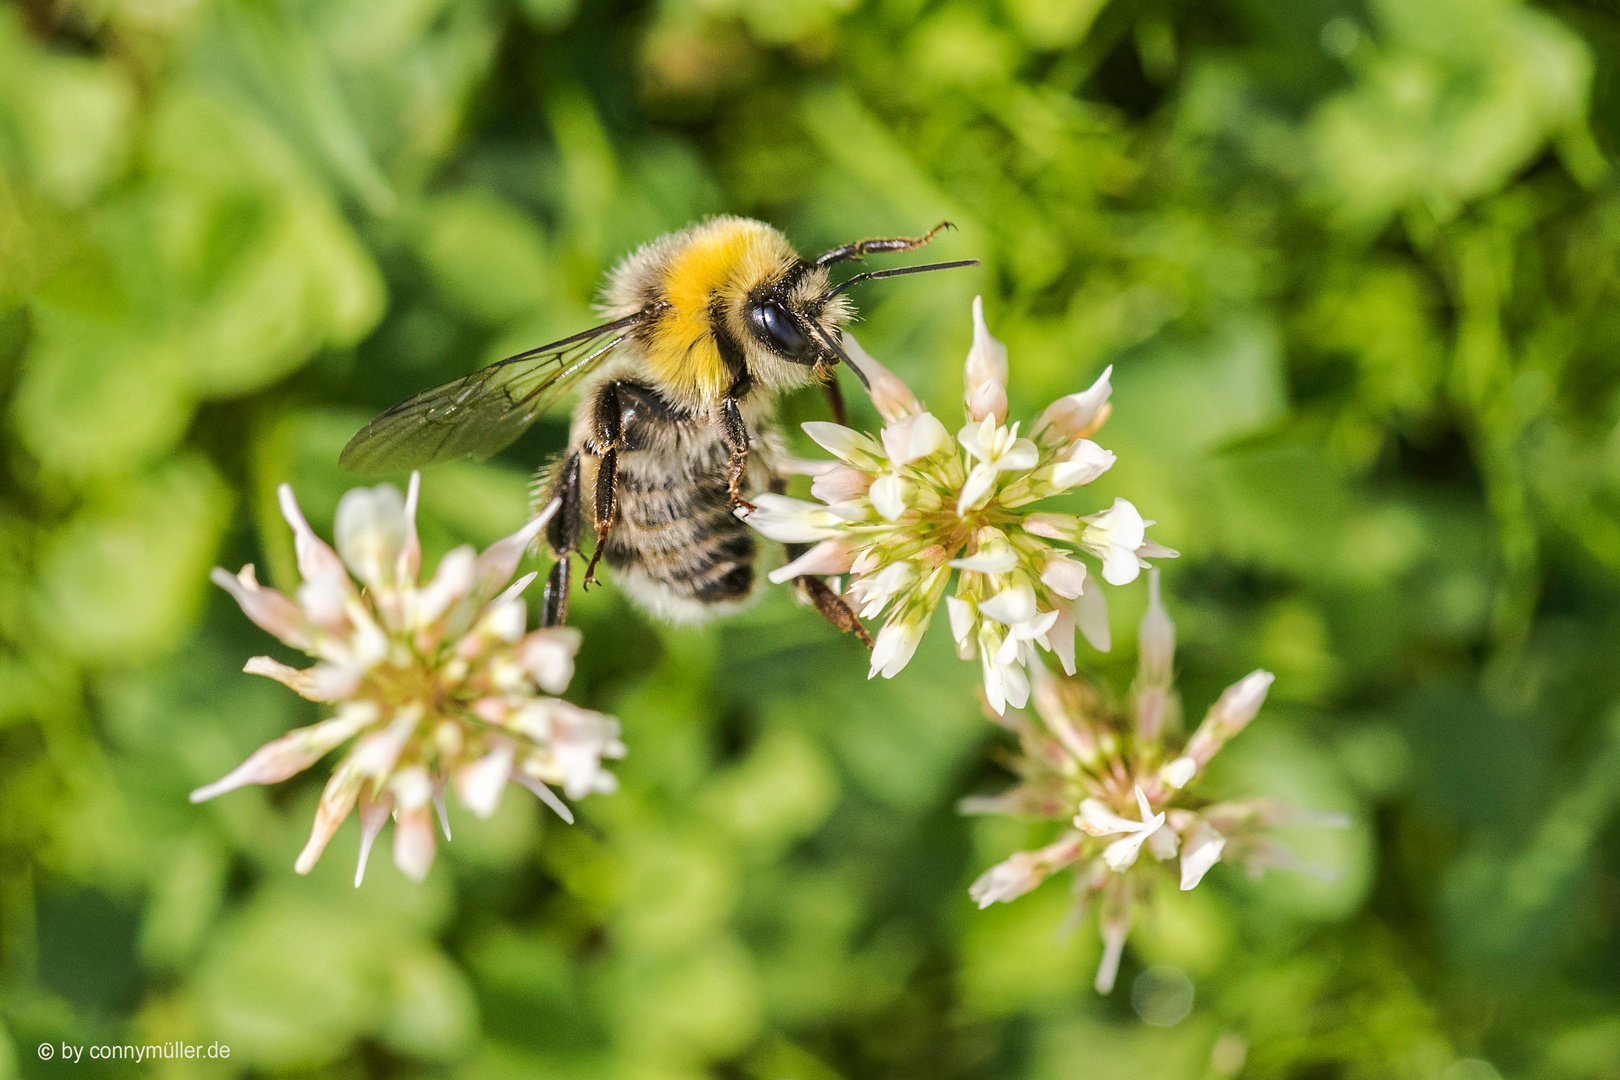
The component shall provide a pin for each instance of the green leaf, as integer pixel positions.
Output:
(123, 578)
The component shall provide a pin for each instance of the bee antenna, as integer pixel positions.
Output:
(898, 272)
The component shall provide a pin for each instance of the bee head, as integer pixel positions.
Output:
(799, 317)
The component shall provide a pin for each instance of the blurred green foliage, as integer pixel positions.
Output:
(1355, 264)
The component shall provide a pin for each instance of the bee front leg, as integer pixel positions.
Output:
(607, 440)
(736, 436)
(562, 535)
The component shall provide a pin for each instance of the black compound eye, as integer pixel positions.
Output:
(777, 328)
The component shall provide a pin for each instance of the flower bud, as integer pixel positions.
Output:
(892, 397)
(1156, 640)
(840, 484)
(986, 363)
(1076, 415)
(1229, 715)
(1179, 773)
(988, 402)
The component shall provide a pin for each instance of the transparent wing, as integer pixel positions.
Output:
(480, 414)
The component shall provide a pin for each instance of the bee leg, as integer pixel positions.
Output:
(835, 400)
(833, 607)
(607, 508)
(736, 434)
(562, 535)
(861, 248)
(818, 593)
(607, 440)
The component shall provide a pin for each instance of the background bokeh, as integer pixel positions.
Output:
(1355, 265)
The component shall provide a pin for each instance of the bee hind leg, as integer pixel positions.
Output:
(562, 535)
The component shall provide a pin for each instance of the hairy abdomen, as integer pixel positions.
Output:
(676, 546)
(677, 543)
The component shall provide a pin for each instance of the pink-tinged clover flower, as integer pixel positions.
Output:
(904, 513)
(1120, 781)
(439, 684)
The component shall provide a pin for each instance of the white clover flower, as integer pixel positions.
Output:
(439, 684)
(901, 512)
(1118, 785)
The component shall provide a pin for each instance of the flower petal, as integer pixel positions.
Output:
(371, 532)
(1201, 851)
(891, 496)
(848, 446)
(895, 645)
(1010, 606)
(374, 814)
(337, 800)
(914, 438)
(479, 784)
(315, 558)
(495, 567)
(1063, 575)
(1091, 614)
(892, 397)
(1085, 463)
(827, 557)
(963, 617)
(294, 752)
(980, 482)
(414, 845)
(545, 795)
(790, 521)
(269, 609)
(1179, 773)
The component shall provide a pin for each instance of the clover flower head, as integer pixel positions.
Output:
(438, 684)
(1121, 781)
(903, 513)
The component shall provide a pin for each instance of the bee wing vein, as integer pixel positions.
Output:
(479, 414)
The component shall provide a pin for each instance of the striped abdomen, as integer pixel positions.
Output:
(676, 545)
(678, 532)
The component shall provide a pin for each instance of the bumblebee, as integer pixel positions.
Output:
(707, 326)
